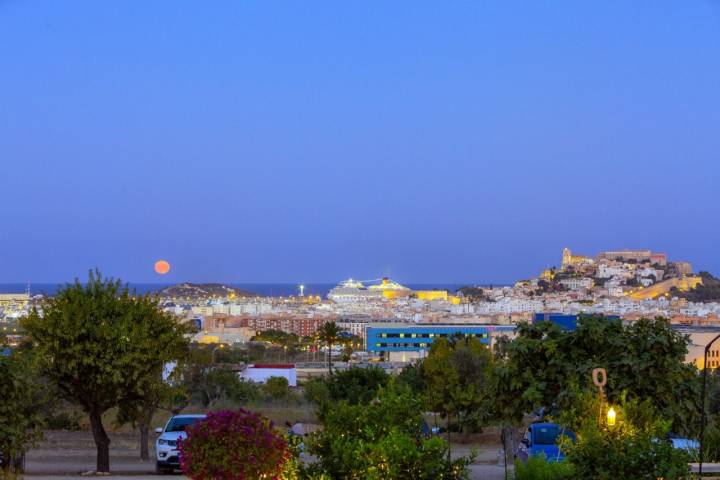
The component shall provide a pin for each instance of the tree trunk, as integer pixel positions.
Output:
(102, 442)
(144, 440)
(145, 421)
(330, 358)
(19, 463)
(449, 442)
(6, 464)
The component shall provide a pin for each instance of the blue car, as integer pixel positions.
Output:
(541, 439)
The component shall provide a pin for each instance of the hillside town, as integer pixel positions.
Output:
(627, 283)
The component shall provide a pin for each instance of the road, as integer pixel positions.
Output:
(66, 455)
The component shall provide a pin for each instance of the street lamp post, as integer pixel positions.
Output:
(702, 403)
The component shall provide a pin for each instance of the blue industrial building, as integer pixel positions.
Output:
(406, 341)
(565, 321)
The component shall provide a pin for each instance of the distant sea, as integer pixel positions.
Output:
(263, 289)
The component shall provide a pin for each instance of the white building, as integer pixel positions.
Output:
(356, 328)
(609, 271)
(580, 283)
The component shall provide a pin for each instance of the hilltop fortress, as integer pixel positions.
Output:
(638, 274)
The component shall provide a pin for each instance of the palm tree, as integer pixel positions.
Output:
(329, 334)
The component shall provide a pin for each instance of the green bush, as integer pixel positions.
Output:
(537, 468)
(277, 388)
(23, 398)
(356, 385)
(317, 391)
(621, 452)
(636, 447)
(381, 441)
(711, 444)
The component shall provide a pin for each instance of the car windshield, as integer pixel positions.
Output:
(180, 424)
(548, 434)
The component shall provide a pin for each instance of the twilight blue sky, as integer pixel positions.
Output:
(260, 141)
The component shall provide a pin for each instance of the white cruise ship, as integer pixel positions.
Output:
(353, 291)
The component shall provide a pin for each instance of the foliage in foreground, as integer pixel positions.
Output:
(102, 347)
(382, 440)
(458, 378)
(354, 386)
(537, 468)
(546, 367)
(636, 447)
(233, 445)
(22, 397)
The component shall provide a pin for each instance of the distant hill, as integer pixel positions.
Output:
(203, 290)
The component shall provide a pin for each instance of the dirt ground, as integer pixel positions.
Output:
(67, 455)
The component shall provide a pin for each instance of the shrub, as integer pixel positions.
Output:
(636, 447)
(712, 444)
(233, 445)
(357, 385)
(537, 468)
(22, 399)
(382, 440)
(277, 387)
(225, 384)
(611, 454)
(317, 391)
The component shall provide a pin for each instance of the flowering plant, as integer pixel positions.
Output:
(233, 445)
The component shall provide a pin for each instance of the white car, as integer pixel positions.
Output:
(166, 451)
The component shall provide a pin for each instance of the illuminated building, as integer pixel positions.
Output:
(430, 295)
(548, 273)
(636, 255)
(699, 337)
(407, 342)
(570, 260)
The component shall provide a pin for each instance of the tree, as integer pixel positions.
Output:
(356, 386)
(139, 412)
(546, 367)
(276, 337)
(99, 344)
(329, 334)
(23, 397)
(475, 294)
(458, 378)
(277, 387)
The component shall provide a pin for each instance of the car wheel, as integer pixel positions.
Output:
(160, 470)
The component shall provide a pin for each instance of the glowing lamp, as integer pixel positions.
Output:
(611, 417)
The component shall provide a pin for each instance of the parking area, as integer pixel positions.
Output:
(69, 454)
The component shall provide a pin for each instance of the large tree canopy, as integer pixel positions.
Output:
(103, 346)
(546, 367)
(457, 376)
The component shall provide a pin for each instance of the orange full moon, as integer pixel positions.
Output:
(162, 267)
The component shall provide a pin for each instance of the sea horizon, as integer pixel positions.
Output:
(265, 289)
